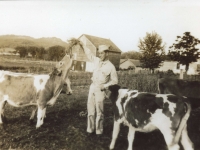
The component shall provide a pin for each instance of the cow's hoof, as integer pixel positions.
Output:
(4, 119)
(69, 93)
(31, 121)
(111, 148)
(38, 127)
(2, 126)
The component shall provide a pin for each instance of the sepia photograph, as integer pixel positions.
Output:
(100, 75)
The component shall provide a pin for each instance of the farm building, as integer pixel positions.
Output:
(92, 42)
(126, 64)
(194, 67)
(8, 51)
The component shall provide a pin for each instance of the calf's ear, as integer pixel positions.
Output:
(114, 88)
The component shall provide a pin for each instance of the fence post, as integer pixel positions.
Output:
(181, 71)
(181, 74)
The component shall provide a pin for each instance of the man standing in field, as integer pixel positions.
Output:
(104, 75)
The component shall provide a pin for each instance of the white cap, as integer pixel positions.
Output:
(103, 48)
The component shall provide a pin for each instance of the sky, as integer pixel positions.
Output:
(122, 21)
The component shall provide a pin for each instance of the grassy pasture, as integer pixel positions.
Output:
(15, 64)
(65, 129)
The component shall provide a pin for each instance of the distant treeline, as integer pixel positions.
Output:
(137, 55)
(131, 55)
(53, 53)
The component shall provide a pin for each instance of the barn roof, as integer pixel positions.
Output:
(122, 60)
(137, 63)
(102, 41)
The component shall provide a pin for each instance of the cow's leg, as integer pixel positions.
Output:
(52, 101)
(185, 140)
(33, 114)
(131, 135)
(2, 117)
(115, 133)
(160, 88)
(40, 116)
(68, 88)
(165, 128)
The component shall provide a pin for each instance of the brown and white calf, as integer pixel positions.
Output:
(145, 112)
(23, 89)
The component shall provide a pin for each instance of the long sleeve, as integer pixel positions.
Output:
(89, 55)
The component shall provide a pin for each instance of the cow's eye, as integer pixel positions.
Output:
(61, 63)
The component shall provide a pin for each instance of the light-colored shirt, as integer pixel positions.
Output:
(104, 71)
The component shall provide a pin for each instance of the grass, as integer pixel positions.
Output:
(65, 129)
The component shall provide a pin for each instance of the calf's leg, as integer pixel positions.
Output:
(115, 133)
(33, 114)
(185, 140)
(169, 138)
(40, 116)
(164, 124)
(131, 135)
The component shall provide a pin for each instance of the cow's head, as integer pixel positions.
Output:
(63, 67)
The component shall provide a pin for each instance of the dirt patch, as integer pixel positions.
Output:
(64, 128)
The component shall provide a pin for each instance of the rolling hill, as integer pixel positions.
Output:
(12, 41)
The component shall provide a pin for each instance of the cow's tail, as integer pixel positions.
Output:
(182, 123)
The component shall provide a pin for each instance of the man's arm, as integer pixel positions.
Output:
(113, 79)
(88, 53)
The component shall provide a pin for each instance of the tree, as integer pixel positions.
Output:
(32, 50)
(23, 52)
(40, 51)
(152, 51)
(131, 55)
(184, 50)
(56, 52)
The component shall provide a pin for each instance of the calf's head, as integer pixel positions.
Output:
(112, 92)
